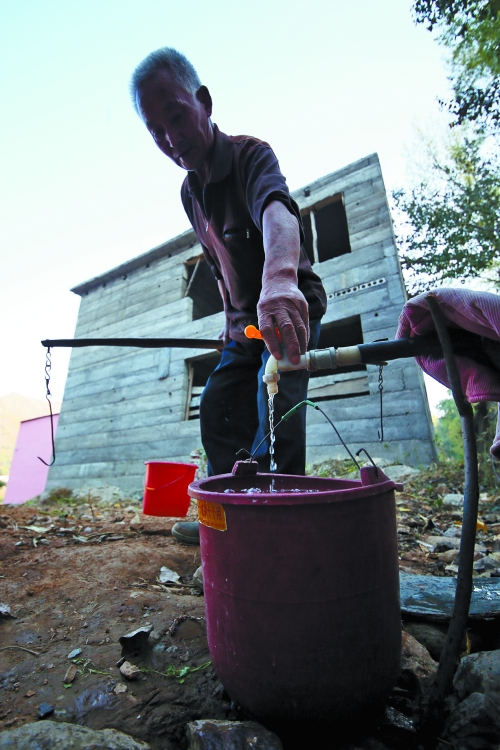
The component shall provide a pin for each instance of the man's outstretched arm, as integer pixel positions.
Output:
(281, 303)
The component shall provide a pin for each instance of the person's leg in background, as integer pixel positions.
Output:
(228, 407)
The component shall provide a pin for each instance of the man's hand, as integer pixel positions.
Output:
(283, 306)
(281, 303)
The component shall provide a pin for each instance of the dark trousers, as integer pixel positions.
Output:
(234, 410)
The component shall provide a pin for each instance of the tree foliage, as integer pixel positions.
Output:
(451, 224)
(471, 30)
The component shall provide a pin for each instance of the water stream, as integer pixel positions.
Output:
(272, 462)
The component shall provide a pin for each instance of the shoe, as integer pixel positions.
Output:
(187, 532)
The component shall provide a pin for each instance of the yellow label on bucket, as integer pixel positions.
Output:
(212, 515)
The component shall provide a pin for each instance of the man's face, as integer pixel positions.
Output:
(178, 120)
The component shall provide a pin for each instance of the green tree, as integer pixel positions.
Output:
(448, 432)
(450, 221)
(471, 30)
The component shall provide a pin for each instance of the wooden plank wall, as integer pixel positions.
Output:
(119, 410)
(408, 434)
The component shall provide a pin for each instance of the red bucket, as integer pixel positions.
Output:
(165, 488)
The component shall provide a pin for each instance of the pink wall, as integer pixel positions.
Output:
(28, 475)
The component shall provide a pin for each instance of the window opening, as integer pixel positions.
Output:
(308, 238)
(199, 370)
(202, 287)
(326, 231)
(327, 385)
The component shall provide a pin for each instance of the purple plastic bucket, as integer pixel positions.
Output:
(301, 592)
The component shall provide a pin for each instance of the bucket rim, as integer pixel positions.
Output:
(355, 489)
(171, 463)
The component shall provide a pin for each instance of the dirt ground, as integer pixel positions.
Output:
(80, 576)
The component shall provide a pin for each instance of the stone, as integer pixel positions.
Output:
(456, 500)
(130, 671)
(198, 579)
(167, 575)
(44, 710)
(432, 636)
(120, 688)
(136, 640)
(70, 674)
(76, 652)
(433, 597)
(416, 659)
(474, 723)
(400, 472)
(5, 611)
(479, 673)
(485, 564)
(395, 727)
(48, 735)
(93, 699)
(206, 734)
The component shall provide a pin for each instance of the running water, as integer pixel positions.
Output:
(272, 462)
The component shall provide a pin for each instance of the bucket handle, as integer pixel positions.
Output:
(168, 483)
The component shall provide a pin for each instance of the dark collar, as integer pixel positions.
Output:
(222, 161)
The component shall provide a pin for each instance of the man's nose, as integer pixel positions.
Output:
(172, 139)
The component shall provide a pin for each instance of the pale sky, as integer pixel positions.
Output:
(84, 188)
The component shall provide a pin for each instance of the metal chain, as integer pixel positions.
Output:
(48, 367)
(380, 432)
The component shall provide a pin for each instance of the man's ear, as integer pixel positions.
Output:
(203, 96)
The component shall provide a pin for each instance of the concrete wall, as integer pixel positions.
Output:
(123, 406)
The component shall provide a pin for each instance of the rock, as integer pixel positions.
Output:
(167, 575)
(106, 494)
(198, 579)
(395, 727)
(456, 500)
(448, 557)
(432, 636)
(5, 611)
(479, 673)
(206, 734)
(92, 700)
(136, 640)
(485, 564)
(433, 597)
(416, 659)
(120, 688)
(70, 674)
(130, 671)
(76, 652)
(48, 735)
(44, 710)
(474, 723)
(400, 472)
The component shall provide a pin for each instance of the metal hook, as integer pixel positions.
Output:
(48, 365)
(363, 450)
(380, 432)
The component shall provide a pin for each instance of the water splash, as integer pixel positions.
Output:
(272, 462)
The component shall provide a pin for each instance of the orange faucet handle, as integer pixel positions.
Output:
(251, 332)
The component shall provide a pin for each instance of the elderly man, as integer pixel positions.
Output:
(251, 233)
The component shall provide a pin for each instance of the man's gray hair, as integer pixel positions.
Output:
(169, 59)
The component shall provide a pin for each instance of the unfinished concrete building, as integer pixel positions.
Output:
(123, 406)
